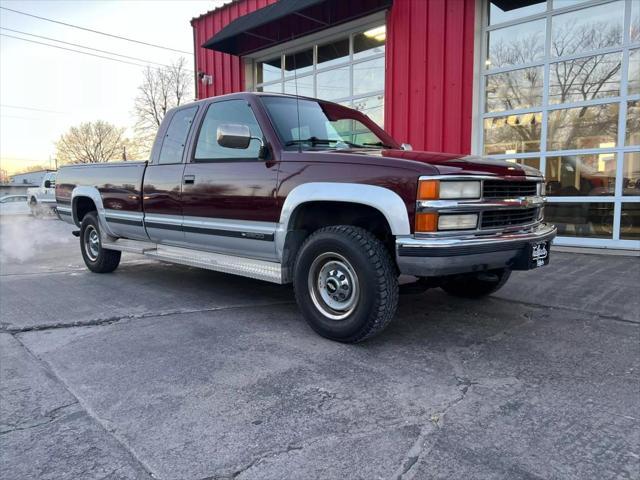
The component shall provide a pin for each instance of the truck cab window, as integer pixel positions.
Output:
(230, 111)
(176, 137)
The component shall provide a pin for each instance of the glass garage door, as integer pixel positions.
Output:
(560, 91)
(346, 69)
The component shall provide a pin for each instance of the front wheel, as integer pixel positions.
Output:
(476, 285)
(345, 283)
(96, 258)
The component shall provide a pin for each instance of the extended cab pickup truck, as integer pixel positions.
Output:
(296, 190)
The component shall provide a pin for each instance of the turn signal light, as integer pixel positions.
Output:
(428, 190)
(426, 222)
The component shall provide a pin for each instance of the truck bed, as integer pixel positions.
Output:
(119, 183)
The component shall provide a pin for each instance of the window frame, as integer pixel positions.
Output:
(333, 34)
(201, 121)
(545, 108)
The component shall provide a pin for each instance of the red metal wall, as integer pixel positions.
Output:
(429, 69)
(228, 74)
(429, 74)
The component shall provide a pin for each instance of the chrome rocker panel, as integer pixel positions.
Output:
(246, 267)
(431, 257)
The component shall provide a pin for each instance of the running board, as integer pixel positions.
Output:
(246, 267)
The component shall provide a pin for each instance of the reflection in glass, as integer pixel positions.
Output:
(572, 175)
(272, 88)
(529, 162)
(368, 76)
(581, 219)
(514, 89)
(585, 78)
(298, 63)
(632, 136)
(584, 127)
(373, 107)
(587, 29)
(630, 221)
(631, 174)
(370, 42)
(498, 15)
(634, 71)
(269, 70)
(303, 88)
(333, 53)
(634, 27)
(522, 43)
(334, 83)
(512, 134)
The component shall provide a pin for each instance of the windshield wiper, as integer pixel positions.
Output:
(377, 144)
(319, 141)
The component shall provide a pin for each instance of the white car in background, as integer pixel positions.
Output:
(42, 199)
(14, 205)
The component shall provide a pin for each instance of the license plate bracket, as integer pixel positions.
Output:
(534, 255)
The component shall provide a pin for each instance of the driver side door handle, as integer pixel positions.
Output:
(189, 179)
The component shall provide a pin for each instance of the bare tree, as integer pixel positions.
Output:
(161, 90)
(92, 142)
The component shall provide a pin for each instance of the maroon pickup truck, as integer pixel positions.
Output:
(296, 190)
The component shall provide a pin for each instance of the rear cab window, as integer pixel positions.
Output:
(175, 138)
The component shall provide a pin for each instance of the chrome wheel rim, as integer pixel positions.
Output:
(92, 243)
(333, 286)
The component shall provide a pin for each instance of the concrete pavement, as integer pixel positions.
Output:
(159, 371)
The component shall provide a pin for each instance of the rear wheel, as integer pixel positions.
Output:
(475, 285)
(345, 283)
(96, 258)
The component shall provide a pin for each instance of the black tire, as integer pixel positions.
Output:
(476, 285)
(96, 258)
(353, 255)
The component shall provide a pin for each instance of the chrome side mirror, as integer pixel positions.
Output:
(233, 135)
(406, 146)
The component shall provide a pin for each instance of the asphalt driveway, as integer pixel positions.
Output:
(168, 372)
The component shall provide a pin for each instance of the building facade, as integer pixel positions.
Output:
(553, 84)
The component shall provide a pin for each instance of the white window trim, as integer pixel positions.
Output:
(311, 41)
(479, 105)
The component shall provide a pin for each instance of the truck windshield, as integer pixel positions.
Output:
(323, 125)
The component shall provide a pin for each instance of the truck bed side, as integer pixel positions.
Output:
(109, 186)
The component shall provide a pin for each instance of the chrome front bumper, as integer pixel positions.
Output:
(431, 257)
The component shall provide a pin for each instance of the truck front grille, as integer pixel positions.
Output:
(505, 218)
(506, 189)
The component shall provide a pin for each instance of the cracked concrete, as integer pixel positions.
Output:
(175, 373)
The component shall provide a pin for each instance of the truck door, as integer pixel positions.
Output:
(163, 181)
(228, 198)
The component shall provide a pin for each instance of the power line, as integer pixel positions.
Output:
(95, 31)
(32, 108)
(72, 50)
(82, 46)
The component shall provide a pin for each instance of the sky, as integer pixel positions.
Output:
(44, 91)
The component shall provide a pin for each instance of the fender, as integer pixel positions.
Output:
(93, 194)
(382, 199)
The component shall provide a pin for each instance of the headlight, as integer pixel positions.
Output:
(454, 190)
(465, 221)
(448, 190)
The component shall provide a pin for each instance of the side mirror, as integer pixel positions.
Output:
(406, 146)
(47, 184)
(233, 135)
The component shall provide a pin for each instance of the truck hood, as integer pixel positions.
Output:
(455, 164)
(442, 163)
